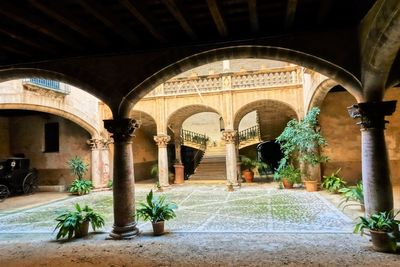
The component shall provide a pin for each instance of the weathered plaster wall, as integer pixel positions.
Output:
(145, 154)
(344, 137)
(27, 136)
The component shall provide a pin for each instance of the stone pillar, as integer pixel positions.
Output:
(123, 183)
(229, 136)
(99, 161)
(378, 195)
(162, 141)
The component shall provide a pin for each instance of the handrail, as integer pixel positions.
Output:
(194, 137)
(249, 133)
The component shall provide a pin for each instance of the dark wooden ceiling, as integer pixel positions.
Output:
(36, 30)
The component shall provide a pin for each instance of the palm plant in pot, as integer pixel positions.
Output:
(79, 186)
(157, 210)
(249, 165)
(76, 222)
(333, 183)
(303, 138)
(383, 229)
(353, 196)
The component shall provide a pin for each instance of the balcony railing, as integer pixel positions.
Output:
(193, 137)
(55, 86)
(231, 81)
(249, 134)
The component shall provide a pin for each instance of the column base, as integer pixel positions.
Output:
(125, 232)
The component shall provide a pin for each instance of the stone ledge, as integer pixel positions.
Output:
(52, 188)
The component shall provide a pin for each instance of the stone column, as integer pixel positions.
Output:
(123, 183)
(378, 195)
(162, 141)
(229, 136)
(100, 162)
(179, 168)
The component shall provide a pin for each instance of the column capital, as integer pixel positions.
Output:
(229, 136)
(372, 114)
(162, 140)
(99, 143)
(122, 129)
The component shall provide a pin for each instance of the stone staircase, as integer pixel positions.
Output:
(212, 166)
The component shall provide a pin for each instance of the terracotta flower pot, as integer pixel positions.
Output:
(158, 228)
(248, 176)
(311, 186)
(83, 230)
(287, 184)
(383, 241)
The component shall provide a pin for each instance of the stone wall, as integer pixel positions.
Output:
(27, 137)
(344, 137)
(4, 138)
(145, 154)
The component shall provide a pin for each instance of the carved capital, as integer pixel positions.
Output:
(162, 140)
(372, 114)
(101, 143)
(229, 136)
(122, 129)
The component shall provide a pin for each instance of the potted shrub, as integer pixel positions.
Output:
(382, 227)
(355, 194)
(288, 175)
(249, 165)
(303, 138)
(79, 186)
(76, 222)
(333, 183)
(157, 210)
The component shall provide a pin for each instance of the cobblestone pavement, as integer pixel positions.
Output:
(207, 208)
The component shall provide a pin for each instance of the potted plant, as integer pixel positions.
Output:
(303, 138)
(288, 175)
(249, 165)
(79, 186)
(157, 210)
(382, 227)
(355, 194)
(333, 183)
(76, 222)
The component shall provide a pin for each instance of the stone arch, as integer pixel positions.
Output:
(270, 108)
(175, 119)
(92, 130)
(145, 120)
(327, 68)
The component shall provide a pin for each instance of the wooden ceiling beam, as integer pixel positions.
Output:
(217, 17)
(51, 12)
(110, 21)
(174, 10)
(290, 13)
(139, 13)
(23, 39)
(253, 15)
(19, 16)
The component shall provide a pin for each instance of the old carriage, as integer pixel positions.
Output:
(16, 177)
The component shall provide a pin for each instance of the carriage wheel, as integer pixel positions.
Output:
(3, 192)
(30, 183)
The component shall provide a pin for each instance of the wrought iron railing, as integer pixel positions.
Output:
(49, 84)
(249, 134)
(189, 136)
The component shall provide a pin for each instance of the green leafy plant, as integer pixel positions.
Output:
(288, 172)
(380, 221)
(78, 167)
(110, 184)
(251, 164)
(154, 170)
(333, 183)
(156, 209)
(302, 138)
(81, 187)
(355, 194)
(70, 222)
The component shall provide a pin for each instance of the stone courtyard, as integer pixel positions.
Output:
(257, 225)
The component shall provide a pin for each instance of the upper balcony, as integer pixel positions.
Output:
(38, 84)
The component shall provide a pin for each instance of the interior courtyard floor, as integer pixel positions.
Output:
(257, 225)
